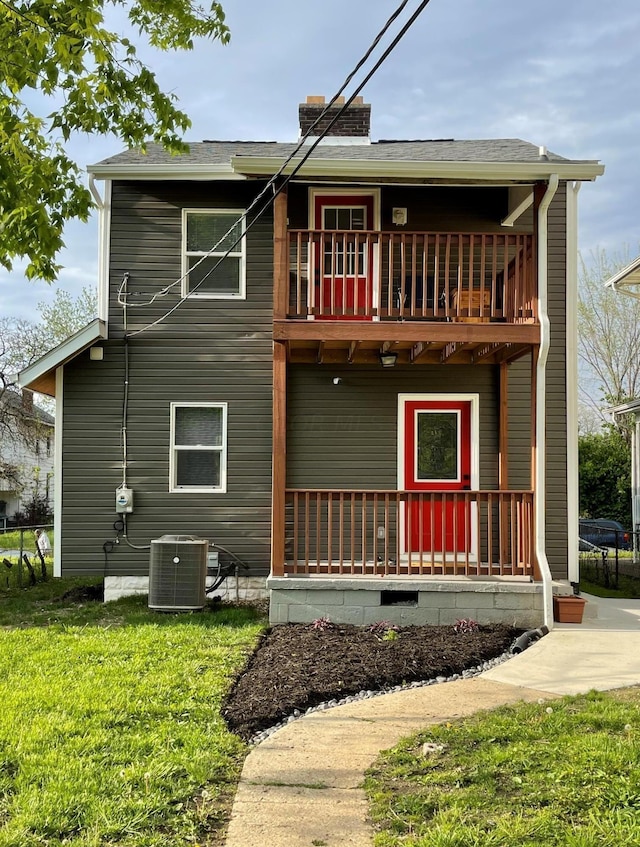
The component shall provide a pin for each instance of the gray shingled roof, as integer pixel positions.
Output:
(221, 152)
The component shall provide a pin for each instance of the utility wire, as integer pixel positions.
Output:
(301, 143)
(272, 182)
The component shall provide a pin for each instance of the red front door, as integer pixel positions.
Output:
(437, 457)
(343, 259)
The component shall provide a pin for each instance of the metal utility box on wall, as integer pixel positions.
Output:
(178, 573)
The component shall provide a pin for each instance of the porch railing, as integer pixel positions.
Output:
(363, 532)
(401, 275)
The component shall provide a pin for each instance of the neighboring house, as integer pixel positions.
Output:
(26, 453)
(627, 281)
(371, 401)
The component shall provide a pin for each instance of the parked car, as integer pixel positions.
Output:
(600, 532)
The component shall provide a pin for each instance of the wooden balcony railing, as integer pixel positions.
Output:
(486, 533)
(428, 276)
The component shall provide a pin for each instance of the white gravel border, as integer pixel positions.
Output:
(367, 695)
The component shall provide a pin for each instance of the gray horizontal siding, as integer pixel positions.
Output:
(146, 243)
(220, 351)
(430, 209)
(207, 351)
(556, 403)
(346, 436)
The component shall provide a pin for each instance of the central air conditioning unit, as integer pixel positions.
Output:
(178, 573)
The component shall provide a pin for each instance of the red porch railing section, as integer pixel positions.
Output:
(433, 276)
(486, 533)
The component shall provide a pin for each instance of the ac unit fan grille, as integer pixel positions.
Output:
(177, 585)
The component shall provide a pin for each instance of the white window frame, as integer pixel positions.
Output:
(238, 252)
(174, 449)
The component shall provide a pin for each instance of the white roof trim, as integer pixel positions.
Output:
(624, 408)
(240, 167)
(525, 171)
(164, 170)
(622, 281)
(69, 349)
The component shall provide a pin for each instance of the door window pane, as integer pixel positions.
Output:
(437, 446)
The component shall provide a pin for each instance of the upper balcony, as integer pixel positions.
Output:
(429, 296)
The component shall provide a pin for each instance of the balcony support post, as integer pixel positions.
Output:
(503, 469)
(280, 257)
(279, 459)
(279, 411)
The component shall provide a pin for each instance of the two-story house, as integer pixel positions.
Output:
(26, 454)
(368, 392)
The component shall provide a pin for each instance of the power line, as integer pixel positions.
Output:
(272, 182)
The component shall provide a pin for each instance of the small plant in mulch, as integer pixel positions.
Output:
(322, 624)
(464, 626)
(384, 630)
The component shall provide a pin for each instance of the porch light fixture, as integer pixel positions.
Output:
(388, 360)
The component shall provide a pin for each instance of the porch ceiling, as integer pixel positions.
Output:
(360, 342)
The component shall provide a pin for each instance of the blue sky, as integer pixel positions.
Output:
(560, 73)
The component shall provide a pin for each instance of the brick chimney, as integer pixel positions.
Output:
(355, 122)
(27, 401)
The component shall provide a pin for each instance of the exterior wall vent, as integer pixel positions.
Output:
(178, 573)
(398, 598)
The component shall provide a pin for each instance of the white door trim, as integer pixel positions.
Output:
(474, 400)
(376, 225)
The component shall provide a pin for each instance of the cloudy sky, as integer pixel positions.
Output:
(560, 73)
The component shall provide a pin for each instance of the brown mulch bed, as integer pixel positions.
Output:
(296, 666)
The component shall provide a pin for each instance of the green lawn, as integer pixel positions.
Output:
(628, 588)
(110, 732)
(562, 773)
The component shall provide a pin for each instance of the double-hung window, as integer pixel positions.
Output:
(198, 459)
(213, 253)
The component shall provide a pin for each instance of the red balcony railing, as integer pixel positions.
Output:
(470, 533)
(400, 275)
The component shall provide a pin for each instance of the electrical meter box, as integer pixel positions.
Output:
(124, 500)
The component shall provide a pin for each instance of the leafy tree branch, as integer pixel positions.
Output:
(61, 50)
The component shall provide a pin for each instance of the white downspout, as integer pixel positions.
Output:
(571, 299)
(58, 470)
(104, 209)
(541, 394)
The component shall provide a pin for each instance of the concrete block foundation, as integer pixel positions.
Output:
(406, 601)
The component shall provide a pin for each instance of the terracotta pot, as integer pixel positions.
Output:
(568, 609)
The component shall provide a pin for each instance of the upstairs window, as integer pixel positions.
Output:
(201, 232)
(198, 460)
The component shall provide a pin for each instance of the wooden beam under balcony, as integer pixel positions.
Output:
(359, 343)
(407, 331)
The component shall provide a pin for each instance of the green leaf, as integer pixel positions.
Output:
(60, 47)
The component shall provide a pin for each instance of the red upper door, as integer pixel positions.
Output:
(343, 259)
(437, 457)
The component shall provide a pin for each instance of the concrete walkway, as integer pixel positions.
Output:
(302, 786)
